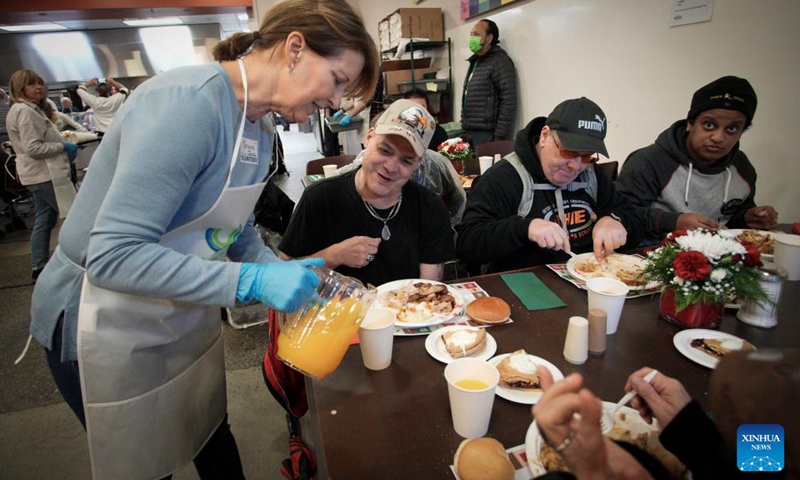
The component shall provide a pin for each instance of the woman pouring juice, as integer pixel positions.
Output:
(128, 307)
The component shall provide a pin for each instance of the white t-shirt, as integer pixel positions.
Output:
(104, 107)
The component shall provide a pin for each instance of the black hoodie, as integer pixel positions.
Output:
(663, 181)
(491, 232)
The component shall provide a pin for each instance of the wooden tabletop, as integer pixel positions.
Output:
(396, 423)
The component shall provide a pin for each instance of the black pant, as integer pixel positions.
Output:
(219, 458)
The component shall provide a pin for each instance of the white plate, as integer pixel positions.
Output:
(435, 346)
(436, 319)
(632, 421)
(621, 257)
(528, 397)
(683, 342)
(735, 232)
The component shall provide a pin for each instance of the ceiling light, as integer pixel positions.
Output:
(34, 27)
(152, 22)
(242, 16)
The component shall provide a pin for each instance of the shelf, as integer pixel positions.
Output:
(414, 46)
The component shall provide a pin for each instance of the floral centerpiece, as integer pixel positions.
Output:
(700, 270)
(457, 150)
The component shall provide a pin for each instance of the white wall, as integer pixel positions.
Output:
(623, 55)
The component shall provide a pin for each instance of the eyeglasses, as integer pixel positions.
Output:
(586, 158)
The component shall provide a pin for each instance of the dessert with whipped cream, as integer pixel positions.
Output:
(463, 342)
(518, 371)
(719, 347)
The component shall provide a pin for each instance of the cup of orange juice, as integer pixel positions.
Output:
(315, 338)
(471, 384)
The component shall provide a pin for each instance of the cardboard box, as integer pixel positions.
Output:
(393, 79)
(392, 65)
(416, 23)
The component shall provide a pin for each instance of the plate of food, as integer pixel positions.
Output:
(458, 341)
(518, 380)
(625, 268)
(629, 427)
(707, 347)
(764, 241)
(420, 303)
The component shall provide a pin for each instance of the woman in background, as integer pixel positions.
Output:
(131, 297)
(40, 152)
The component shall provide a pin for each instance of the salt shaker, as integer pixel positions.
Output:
(496, 158)
(765, 315)
(597, 331)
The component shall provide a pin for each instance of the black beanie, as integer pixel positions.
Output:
(730, 93)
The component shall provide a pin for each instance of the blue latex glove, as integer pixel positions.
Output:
(345, 121)
(338, 114)
(284, 286)
(70, 147)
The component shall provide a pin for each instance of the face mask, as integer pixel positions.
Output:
(475, 43)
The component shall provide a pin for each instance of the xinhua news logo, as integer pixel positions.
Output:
(759, 448)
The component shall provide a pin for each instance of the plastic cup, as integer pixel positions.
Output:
(576, 346)
(608, 294)
(376, 335)
(471, 384)
(329, 170)
(485, 162)
(787, 254)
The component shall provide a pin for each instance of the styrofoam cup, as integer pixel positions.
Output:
(608, 294)
(576, 346)
(787, 254)
(329, 170)
(376, 335)
(485, 162)
(471, 408)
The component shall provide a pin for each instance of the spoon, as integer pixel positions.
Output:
(607, 420)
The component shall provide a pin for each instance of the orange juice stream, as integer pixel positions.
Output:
(318, 341)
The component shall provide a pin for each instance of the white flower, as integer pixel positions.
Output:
(710, 244)
(718, 274)
(677, 280)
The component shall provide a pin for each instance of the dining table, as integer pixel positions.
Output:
(396, 422)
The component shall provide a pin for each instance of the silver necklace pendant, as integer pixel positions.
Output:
(385, 233)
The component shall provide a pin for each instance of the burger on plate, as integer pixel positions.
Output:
(483, 459)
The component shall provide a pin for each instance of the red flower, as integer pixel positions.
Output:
(753, 257)
(691, 266)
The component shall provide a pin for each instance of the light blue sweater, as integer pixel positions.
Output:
(162, 164)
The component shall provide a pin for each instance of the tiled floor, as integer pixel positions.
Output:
(40, 437)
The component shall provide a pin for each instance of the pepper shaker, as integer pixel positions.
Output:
(597, 331)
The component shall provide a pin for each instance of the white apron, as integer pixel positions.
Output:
(62, 183)
(153, 370)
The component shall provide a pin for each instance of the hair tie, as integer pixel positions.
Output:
(256, 36)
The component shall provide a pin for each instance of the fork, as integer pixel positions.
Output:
(607, 420)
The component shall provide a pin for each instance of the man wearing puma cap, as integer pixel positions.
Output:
(372, 223)
(694, 175)
(548, 197)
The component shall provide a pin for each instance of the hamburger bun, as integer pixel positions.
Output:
(483, 459)
(489, 310)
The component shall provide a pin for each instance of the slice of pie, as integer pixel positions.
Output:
(463, 342)
(719, 347)
(518, 371)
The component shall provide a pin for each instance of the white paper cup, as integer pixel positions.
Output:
(787, 254)
(576, 346)
(471, 408)
(376, 335)
(608, 294)
(329, 170)
(485, 163)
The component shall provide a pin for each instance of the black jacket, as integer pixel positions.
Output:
(491, 232)
(489, 101)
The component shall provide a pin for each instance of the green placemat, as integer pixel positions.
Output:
(531, 291)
